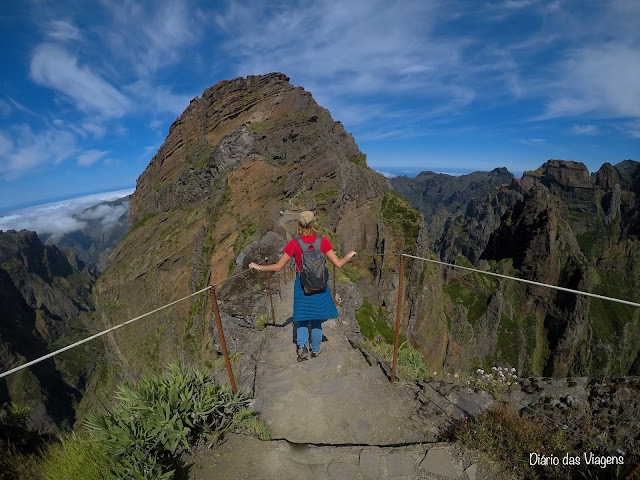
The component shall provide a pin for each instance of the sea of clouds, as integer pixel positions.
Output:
(59, 218)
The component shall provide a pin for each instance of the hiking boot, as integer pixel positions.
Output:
(315, 354)
(303, 354)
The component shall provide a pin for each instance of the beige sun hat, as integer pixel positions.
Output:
(306, 218)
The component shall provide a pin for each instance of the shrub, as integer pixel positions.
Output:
(410, 363)
(75, 456)
(162, 416)
(17, 442)
(509, 438)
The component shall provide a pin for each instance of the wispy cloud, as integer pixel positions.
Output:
(62, 30)
(387, 174)
(149, 39)
(391, 52)
(22, 108)
(5, 108)
(601, 80)
(158, 98)
(59, 218)
(54, 67)
(532, 141)
(584, 130)
(90, 157)
(22, 149)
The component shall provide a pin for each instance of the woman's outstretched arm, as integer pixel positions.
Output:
(339, 262)
(274, 267)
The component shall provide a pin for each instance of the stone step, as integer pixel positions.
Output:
(244, 457)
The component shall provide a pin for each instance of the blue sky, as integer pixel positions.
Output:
(90, 88)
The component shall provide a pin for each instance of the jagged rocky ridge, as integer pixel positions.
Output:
(250, 148)
(45, 304)
(557, 225)
(210, 201)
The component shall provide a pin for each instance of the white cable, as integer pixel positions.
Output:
(68, 347)
(579, 292)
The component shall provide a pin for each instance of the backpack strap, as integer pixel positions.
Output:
(316, 244)
(303, 246)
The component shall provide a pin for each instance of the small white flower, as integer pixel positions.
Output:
(455, 375)
(435, 373)
(513, 369)
(508, 383)
(493, 368)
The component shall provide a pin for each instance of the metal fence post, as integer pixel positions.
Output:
(273, 313)
(279, 286)
(334, 284)
(223, 343)
(398, 315)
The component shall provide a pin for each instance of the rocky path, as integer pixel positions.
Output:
(335, 417)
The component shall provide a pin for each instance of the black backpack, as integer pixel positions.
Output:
(314, 274)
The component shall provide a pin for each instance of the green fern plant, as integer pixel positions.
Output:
(162, 416)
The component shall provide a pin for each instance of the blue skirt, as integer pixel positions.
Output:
(313, 306)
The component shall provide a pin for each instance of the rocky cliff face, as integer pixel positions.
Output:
(246, 150)
(46, 304)
(557, 225)
(441, 197)
(250, 148)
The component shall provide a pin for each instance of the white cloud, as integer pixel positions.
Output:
(387, 174)
(5, 108)
(62, 30)
(391, 51)
(107, 214)
(532, 141)
(59, 218)
(22, 108)
(54, 67)
(602, 80)
(150, 39)
(22, 150)
(159, 98)
(584, 130)
(90, 157)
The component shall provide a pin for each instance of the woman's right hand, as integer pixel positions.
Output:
(255, 266)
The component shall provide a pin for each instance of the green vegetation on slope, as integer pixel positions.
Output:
(379, 338)
(398, 214)
(155, 420)
(373, 324)
(508, 437)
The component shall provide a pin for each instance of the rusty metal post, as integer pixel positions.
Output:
(223, 343)
(334, 284)
(273, 313)
(279, 286)
(398, 316)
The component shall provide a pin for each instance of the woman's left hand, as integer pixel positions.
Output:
(255, 266)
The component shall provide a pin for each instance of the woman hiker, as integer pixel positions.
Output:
(314, 307)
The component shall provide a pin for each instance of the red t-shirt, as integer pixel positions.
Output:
(293, 249)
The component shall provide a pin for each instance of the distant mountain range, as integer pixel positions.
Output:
(559, 225)
(209, 203)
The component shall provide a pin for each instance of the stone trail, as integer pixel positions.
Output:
(337, 417)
